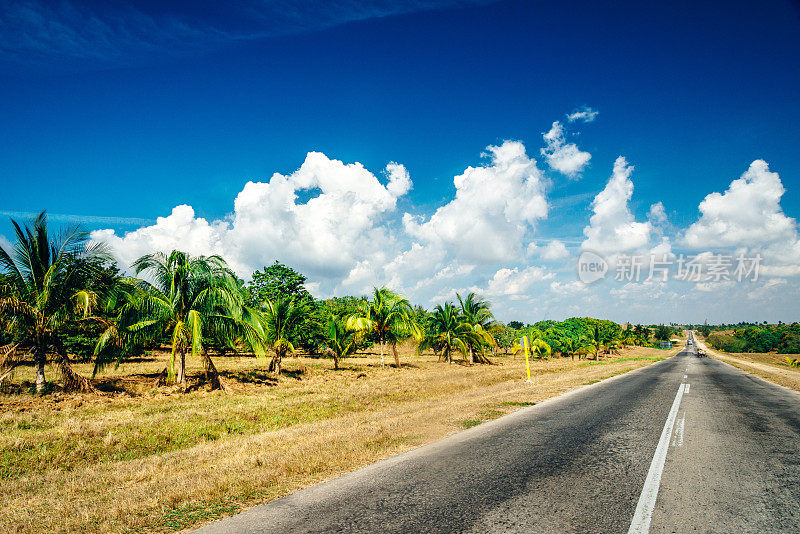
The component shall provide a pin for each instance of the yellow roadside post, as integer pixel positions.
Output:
(526, 346)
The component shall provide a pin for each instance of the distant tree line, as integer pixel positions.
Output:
(781, 338)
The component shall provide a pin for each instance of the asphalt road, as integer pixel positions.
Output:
(684, 445)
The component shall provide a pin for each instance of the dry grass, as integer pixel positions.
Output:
(159, 460)
(769, 366)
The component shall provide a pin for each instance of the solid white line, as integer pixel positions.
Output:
(647, 500)
(677, 439)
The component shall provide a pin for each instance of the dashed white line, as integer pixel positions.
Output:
(647, 500)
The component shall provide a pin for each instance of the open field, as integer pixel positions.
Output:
(161, 460)
(769, 366)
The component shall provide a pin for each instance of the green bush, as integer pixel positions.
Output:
(727, 343)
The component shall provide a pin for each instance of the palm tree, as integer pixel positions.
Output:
(389, 317)
(475, 311)
(46, 285)
(339, 340)
(642, 334)
(113, 344)
(192, 300)
(540, 348)
(615, 341)
(599, 339)
(575, 345)
(448, 332)
(627, 338)
(281, 319)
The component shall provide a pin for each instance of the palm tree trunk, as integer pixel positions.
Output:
(335, 362)
(381, 344)
(72, 381)
(211, 373)
(275, 363)
(479, 357)
(471, 356)
(41, 360)
(180, 377)
(396, 356)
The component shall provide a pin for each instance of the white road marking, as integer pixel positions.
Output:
(685, 376)
(687, 388)
(677, 440)
(647, 500)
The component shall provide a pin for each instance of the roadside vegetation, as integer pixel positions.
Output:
(780, 338)
(161, 400)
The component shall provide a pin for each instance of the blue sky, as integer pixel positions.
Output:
(118, 112)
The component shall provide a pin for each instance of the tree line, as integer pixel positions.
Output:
(780, 338)
(62, 298)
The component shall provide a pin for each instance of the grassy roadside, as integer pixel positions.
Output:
(162, 461)
(769, 366)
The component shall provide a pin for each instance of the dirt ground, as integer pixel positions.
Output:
(142, 458)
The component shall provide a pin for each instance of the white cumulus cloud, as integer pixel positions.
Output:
(326, 236)
(612, 227)
(748, 216)
(494, 207)
(512, 282)
(338, 223)
(561, 156)
(180, 230)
